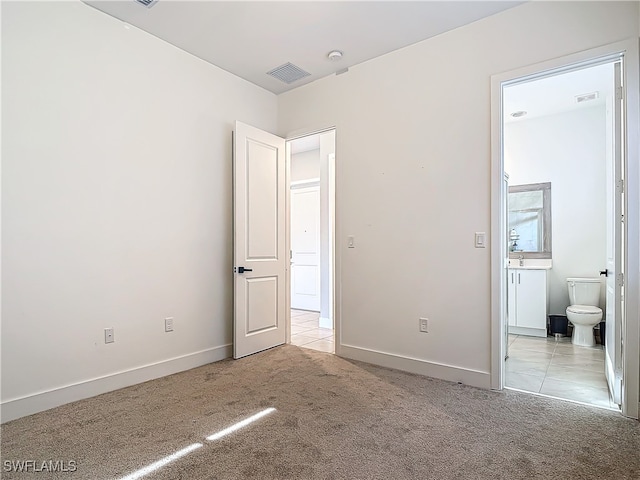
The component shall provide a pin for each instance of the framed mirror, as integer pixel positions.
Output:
(529, 221)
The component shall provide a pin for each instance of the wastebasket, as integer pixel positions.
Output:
(558, 325)
(602, 332)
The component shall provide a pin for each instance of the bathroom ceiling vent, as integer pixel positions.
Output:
(147, 3)
(288, 73)
(586, 97)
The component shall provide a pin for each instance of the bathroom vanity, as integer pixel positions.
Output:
(528, 300)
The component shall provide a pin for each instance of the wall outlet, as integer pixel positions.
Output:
(108, 335)
(168, 324)
(423, 324)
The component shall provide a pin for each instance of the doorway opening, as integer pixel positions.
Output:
(558, 135)
(312, 227)
(564, 191)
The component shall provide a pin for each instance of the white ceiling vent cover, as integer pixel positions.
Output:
(147, 3)
(288, 73)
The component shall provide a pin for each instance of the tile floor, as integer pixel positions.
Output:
(306, 332)
(557, 368)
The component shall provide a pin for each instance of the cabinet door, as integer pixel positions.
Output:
(531, 303)
(511, 297)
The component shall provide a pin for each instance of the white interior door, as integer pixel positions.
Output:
(305, 248)
(260, 257)
(614, 277)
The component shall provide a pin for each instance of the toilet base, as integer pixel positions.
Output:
(583, 335)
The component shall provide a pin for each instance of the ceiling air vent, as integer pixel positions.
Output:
(288, 73)
(147, 3)
(586, 97)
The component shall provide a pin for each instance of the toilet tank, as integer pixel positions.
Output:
(584, 291)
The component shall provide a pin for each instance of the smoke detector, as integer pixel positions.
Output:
(334, 55)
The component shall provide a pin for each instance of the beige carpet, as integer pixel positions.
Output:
(335, 419)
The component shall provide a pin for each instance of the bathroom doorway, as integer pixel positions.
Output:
(562, 125)
(312, 227)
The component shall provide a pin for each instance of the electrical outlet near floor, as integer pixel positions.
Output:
(108, 335)
(423, 325)
(168, 324)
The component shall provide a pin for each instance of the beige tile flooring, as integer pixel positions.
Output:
(557, 368)
(306, 332)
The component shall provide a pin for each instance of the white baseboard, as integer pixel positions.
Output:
(325, 322)
(37, 402)
(466, 376)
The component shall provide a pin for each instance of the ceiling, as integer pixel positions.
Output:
(557, 93)
(251, 38)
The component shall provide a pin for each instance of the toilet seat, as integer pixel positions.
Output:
(584, 310)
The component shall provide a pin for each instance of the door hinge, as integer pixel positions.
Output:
(621, 279)
(622, 217)
(619, 93)
(235, 269)
(620, 186)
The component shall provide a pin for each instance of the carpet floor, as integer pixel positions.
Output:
(333, 419)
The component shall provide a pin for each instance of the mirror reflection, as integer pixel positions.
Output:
(530, 220)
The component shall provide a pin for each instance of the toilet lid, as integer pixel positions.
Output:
(584, 309)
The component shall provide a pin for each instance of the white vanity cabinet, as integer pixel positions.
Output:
(527, 301)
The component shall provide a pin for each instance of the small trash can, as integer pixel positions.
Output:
(558, 325)
(602, 332)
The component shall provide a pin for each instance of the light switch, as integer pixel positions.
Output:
(351, 241)
(481, 240)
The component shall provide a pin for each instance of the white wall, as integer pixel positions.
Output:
(305, 165)
(568, 150)
(413, 179)
(116, 196)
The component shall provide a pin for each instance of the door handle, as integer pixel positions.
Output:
(242, 269)
(604, 272)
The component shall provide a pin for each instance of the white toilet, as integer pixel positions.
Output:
(583, 313)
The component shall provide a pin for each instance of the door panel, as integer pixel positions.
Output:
(511, 295)
(259, 240)
(262, 294)
(262, 201)
(531, 306)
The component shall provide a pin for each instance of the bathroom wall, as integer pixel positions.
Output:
(568, 150)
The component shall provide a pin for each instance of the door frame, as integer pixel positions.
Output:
(628, 52)
(334, 230)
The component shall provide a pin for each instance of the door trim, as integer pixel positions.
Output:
(628, 51)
